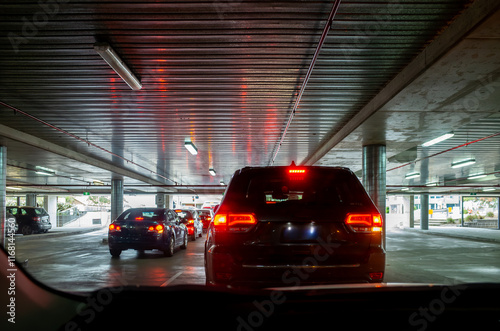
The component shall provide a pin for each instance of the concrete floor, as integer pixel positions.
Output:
(81, 262)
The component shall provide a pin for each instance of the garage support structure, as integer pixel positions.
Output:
(424, 212)
(374, 176)
(116, 197)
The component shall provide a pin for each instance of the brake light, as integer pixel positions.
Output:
(190, 221)
(37, 218)
(234, 222)
(139, 218)
(364, 223)
(158, 228)
(113, 227)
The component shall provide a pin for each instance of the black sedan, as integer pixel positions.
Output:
(147, 229)
(31, 219)
(289, 226)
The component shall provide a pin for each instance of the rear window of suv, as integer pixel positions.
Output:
(319, 186)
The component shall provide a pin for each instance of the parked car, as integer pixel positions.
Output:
(147, 229)
(206, 216)
(192, 220)
(287, 226)
(31, 219)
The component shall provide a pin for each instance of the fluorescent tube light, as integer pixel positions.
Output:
(43, 173)
(212, 171)
(438, 139)
(477, 176)
(487, 189)
(412, 175)
(13, 188)
(432, 184)
(191, 147)
(463, 163)
(114, 61)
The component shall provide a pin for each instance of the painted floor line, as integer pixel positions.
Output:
(171, 279)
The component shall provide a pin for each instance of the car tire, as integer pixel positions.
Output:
(193, 237)
(26, 230)
(115, 252)
(185, 241)
(169, 251)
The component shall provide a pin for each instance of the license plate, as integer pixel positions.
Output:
(294, 233)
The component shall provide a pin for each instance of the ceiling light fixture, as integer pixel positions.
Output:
(44, 173)
(488, 189)
(212, 171)
(438, 139)
(412, 175)
(477, 176)
(13, 188)
(432, 184)
(114, 61)
(463, 163)
(190, 147)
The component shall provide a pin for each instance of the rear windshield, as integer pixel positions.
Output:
(142, 215)
(184, 214)
(315, 186)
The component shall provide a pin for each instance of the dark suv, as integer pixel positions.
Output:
(289, 226)
(31, 219)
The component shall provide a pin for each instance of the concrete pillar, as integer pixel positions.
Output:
(160, 200)
(412, 211)
(374, 177)
(51, 208)
(424, 212)
(169, 201)
(31, 200)
(116, 197)
(374, 174)
(3, 193)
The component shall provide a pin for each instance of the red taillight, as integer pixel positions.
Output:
(376, 275)
(365, 223)
(37, 218)
(158, 228)
(234, 222)
(113, 227)
(190, 221)
(139, 218)
(296, 174)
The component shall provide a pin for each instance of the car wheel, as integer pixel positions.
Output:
(169, 251)
(193, 237)
(115, 252)
(26, 230)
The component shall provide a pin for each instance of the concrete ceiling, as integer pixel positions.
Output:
(227, 75)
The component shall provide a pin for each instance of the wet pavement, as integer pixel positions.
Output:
(79, 260)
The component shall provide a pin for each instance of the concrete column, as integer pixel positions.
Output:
(3, 184)
(116, 198)
(160, 200)
(169, 201)
(412, 211)
(374, 177)
(424, 212)
(31, 200)
(51, 208)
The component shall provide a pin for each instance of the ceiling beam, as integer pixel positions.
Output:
(31, 140)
